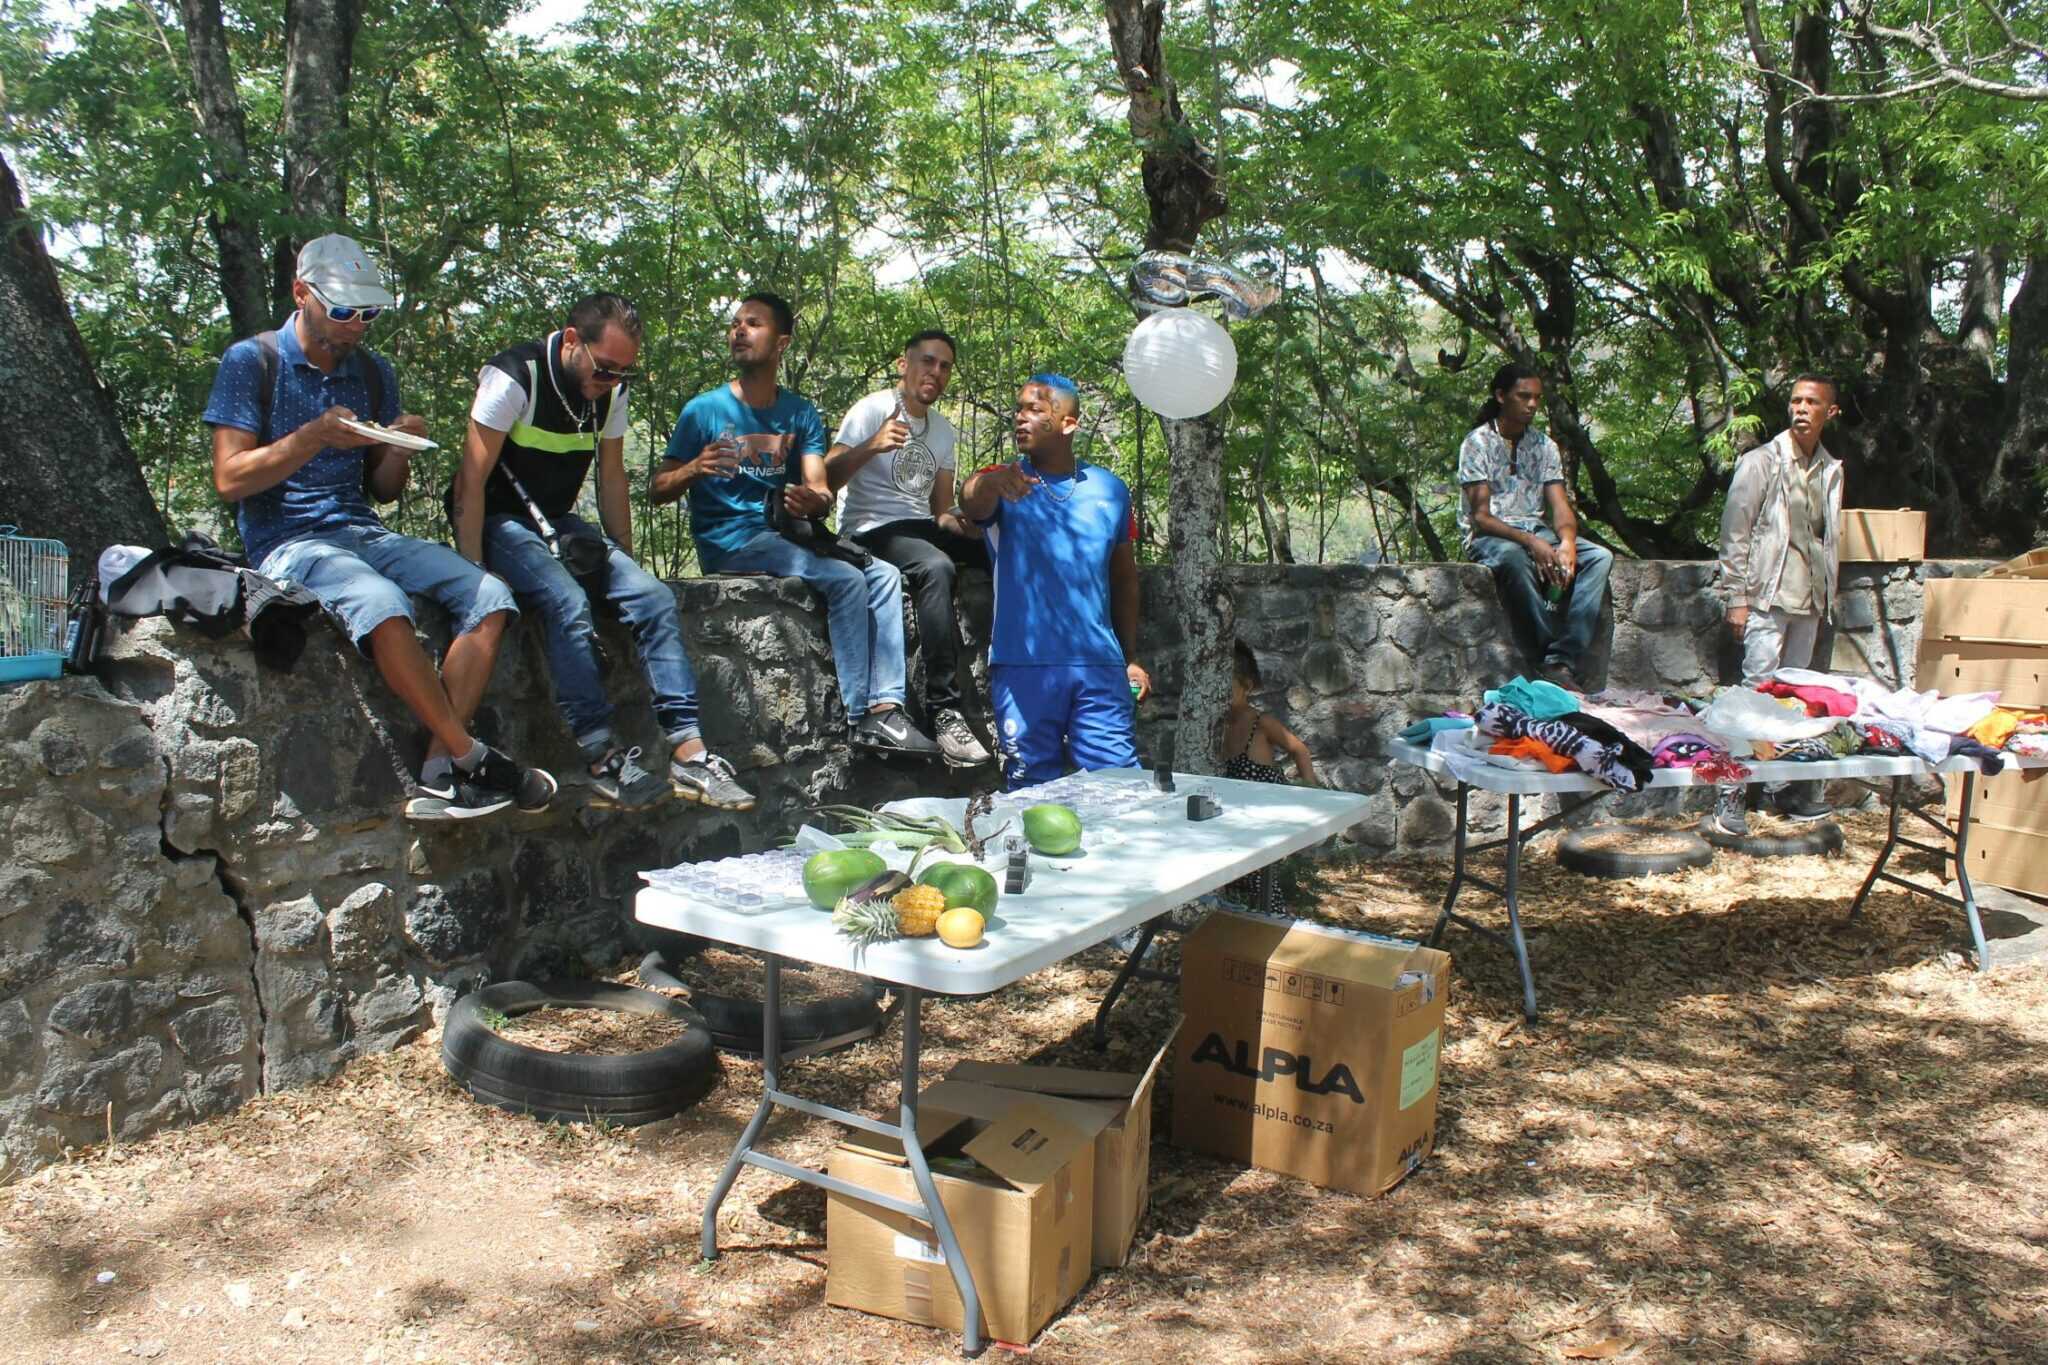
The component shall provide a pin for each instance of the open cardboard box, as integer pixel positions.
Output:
(1123, 1145)
(1883, 535)
(1023, 1212)
(1309, 1050)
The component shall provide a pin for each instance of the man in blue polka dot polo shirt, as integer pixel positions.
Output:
(301, 470)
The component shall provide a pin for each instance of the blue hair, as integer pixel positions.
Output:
(1059, 384)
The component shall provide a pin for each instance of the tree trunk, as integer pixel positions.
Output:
(1182, 193)
(2016, 470)
(69, 473)
(319, 54)
(244, 272)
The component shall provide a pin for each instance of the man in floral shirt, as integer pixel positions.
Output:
(1550, 585)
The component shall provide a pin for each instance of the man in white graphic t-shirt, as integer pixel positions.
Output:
(892, 464)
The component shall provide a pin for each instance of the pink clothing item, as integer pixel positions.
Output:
(1820, 701)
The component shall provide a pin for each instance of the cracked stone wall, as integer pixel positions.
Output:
(208, 892)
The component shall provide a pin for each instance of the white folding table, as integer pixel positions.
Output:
(1516, 783)
(1152, 860)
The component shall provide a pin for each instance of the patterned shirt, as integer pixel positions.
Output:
(1515, 478)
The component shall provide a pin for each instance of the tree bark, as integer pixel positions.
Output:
(1182, 193)
(319, 58)
(69, 473)
(238, 242)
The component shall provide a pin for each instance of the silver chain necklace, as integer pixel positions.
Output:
(1045, 483)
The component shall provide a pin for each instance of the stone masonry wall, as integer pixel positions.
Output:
(207, 890)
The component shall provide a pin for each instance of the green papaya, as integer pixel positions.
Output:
(830, 874)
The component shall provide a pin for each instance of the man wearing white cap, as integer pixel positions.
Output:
(291, 452)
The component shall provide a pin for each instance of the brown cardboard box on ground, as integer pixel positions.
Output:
(2008, 829)
(1875, 534)
(1123, 1148)
(1309, 1050)
(1024, 1220)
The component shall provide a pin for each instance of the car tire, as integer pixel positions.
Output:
(1822, 837)
(567, 1087)
(734, 1021)
(1621, 851)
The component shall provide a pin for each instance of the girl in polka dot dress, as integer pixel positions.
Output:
(1255, 740)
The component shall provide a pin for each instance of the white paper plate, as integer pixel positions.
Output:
(403, 440)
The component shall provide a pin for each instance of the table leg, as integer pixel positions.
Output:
(1457, 871)
(921, 1175)
(1133, 967)
(1513, 899)
(1884, 855)
(771, 1064)
(1963, 873)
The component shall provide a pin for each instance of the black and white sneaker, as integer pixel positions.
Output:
(1730, 814)
(957, 741)
(531, 789)
(708, 780)
(452, 798)
(891, 732)
(620, 783)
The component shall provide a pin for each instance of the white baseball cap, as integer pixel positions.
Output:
(343, 273)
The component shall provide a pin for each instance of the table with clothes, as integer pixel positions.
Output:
(1533, 738)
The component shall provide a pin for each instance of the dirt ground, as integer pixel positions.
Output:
(1743, 1130)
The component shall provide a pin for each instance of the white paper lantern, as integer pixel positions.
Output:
(1180, 363)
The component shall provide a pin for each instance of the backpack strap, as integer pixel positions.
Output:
(373, 378)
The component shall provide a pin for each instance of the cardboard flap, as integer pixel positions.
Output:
(933, 1125)
(968, 1099)
(1028, 1145)
(1049, 1080)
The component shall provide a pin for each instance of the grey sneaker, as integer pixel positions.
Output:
(892, 732)
(451, 794)
(708, 780)
(1729, 815)
(531, 789)
(620, 783)
(957, 741)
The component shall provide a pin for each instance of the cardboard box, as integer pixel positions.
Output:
(1872, 534)
(1308, 1050)
(1123, 1146)
(1986, 635)
(1025, 1219)
(2008, 829)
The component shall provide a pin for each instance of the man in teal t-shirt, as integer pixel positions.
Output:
(738, 445)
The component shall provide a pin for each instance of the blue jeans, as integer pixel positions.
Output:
(569, 633)
(863, 612)
(366, 575)
(1560, 636)
(1049, 715)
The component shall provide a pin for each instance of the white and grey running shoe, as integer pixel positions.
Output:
(957, 741)
(708, 780)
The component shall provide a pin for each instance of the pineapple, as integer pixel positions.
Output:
(918, 909)
(912, 913)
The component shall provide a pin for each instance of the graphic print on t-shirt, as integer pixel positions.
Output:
(917, 469)
(764, 454)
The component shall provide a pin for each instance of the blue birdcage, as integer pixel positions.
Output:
(35, 594)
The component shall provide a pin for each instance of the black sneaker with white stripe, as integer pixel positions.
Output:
(618, 782)
(890, 731)
(531, 789)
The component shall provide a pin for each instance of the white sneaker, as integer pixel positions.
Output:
(957, 741)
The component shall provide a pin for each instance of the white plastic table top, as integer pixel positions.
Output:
(1526, 782)
(1162, 860)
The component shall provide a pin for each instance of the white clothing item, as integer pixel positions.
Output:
(1775, 639)
(115, 561)
(897, 484)
(1466, 752)
(500, 402)
(1739, 713)
(1755, 529)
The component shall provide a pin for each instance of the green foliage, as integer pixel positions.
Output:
(1439, 187)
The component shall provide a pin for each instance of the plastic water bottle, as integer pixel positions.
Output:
(729, 439)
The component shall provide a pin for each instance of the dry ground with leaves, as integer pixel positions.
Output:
(1743, 1130)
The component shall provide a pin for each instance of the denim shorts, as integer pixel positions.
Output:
(366, 575)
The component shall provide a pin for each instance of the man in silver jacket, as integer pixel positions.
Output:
(1780, 549)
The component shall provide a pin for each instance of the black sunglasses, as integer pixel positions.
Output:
(337, 312)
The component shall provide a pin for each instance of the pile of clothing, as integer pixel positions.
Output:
(1620, 737)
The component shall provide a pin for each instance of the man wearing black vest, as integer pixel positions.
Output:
(543, 411)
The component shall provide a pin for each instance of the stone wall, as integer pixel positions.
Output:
(208, 891)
